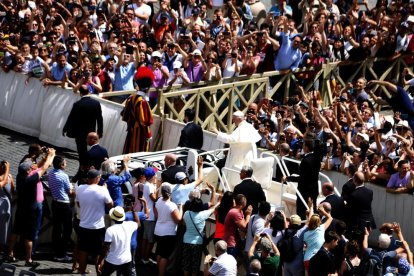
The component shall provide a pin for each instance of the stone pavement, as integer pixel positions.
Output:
(13, 146)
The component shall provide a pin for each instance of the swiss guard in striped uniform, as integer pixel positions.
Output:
(137, 114)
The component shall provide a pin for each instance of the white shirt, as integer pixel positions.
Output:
(149, 188)
(119, 235)
(255, 227)
(165, 225)
(245, 132)
(225, 265)
(230, 70)
(92, 200)
(144, 9)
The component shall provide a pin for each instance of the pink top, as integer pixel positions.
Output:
(39, 188)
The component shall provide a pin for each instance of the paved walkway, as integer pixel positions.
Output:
(13, 146)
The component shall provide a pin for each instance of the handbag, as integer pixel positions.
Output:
(203, 236)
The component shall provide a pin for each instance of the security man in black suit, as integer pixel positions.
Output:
(96, 153)
(250, 189)
(85, 115)
(191, 134)
(337, 203)
(308, 175)
(170, 162)
(359, 212)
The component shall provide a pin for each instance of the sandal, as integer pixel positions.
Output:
(32, 264)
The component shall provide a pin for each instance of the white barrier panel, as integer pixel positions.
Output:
(41, 112)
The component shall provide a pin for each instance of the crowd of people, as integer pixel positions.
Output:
(101, 44)
(167, 210)
(104, 46)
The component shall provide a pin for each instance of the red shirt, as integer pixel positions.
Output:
(230, 226)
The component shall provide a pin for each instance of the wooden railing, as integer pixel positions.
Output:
(214, 102)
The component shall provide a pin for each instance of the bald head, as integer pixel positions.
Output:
(92, 138)
(359, 178)
(220, 247)
(327, 188)
(284, 149)
(170, 159)
(327, 206)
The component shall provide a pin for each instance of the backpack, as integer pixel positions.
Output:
(285, 246)
(371, 265)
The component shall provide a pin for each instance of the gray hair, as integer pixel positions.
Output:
(108, 167)
(248, 170)
(255, 266)
(221, 246)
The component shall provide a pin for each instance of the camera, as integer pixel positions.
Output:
(45, 149)
(86, 74)
(234, 55)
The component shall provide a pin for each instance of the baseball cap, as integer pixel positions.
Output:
(363, 136)
(265, 244)
(177, 65)
(196, 52)
(156, 54)
(149, 172)
(166, 188)
(180, 176)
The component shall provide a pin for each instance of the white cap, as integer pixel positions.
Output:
(364, 136)
(410, 19)
(177, 64)
(196, 52)
(156, 54)
(238, 114)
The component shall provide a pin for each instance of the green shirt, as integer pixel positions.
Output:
(269, 265)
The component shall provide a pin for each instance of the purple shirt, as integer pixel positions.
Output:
(397, 182)
(194, 72)
(159, 80)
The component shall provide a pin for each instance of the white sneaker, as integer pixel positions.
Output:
(144, 261)
(152, 261)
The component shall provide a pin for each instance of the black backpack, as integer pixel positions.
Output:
(371, 265)
(285, 246)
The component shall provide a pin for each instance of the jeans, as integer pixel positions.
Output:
(39, 220)
(62, 227)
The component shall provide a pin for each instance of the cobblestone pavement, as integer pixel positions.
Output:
(13, 146)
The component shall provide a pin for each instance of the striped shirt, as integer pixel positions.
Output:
(59, 185)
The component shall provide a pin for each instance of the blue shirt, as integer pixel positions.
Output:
(59, 184)
(180, 192)
(58, 72)
(314, 240)
(124, 77)
(114, 183)
(191, 234)
(130, 217)
(287, 57)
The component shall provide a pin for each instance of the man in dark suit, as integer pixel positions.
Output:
(96, 154)
(250, 189)
(83, 118)
(359, 212)
(349, 186)
(191, 134)
(168, 175)
(308, 177)
(337, 203)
